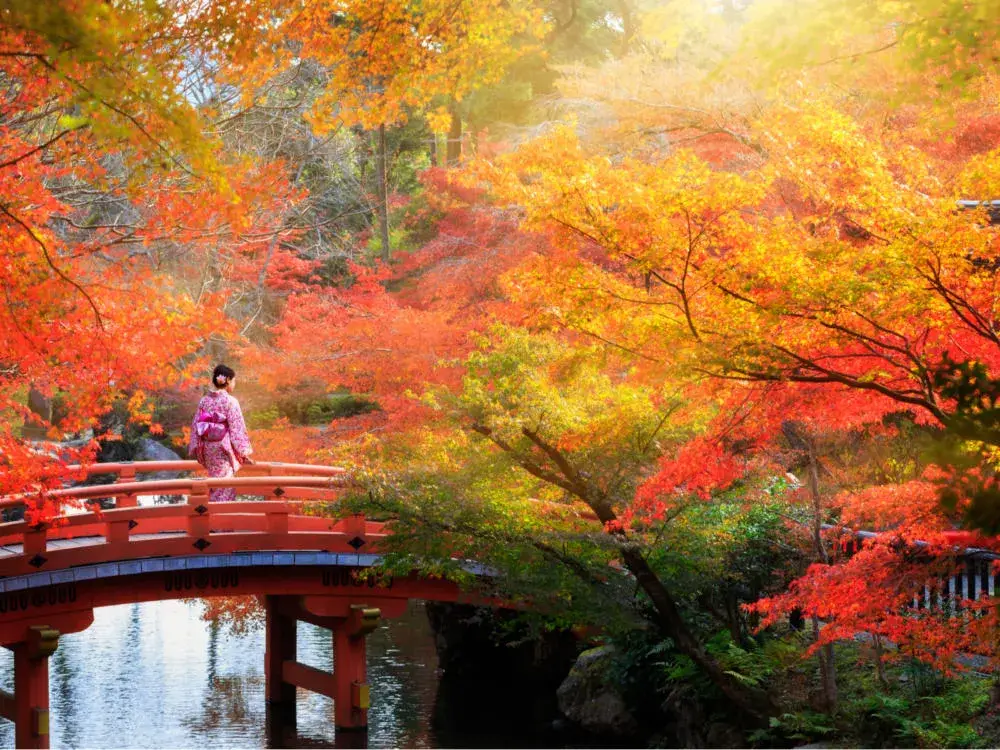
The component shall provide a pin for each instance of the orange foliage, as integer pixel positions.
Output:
(392, 345)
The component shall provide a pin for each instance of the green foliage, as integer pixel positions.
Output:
(408, 157)
(398, 241)
(419, 220)
(942, 719)
(334, 271)
(918, 708)
(262, 418)
(637, 667)
(756, 663)
(803, 726)
(518, 382)
(313, 411)
(454, 499)
(727, 553)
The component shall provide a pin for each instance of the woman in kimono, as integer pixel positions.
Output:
(219, 439)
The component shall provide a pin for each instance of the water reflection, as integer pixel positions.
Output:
(155, 675)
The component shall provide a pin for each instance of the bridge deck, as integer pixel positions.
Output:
(117, 569)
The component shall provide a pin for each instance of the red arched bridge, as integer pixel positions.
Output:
(302, 567)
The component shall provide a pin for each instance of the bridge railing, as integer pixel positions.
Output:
(128, 474)
(128, 471)
(271, 519)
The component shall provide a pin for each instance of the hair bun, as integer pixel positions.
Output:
(222, 375)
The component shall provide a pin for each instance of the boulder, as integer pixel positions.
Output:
(39, 405)
(148, 449)
(589, 699)
(686, 722)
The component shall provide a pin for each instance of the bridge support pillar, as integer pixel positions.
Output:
(28, 707)
(348, 685)
(350, 673)
(280, 646)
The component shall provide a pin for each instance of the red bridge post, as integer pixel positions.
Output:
(127, 474)
(199, 525)
(280, 646)
(350, 667)
(28, 707)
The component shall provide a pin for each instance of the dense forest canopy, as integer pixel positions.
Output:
(650, 305)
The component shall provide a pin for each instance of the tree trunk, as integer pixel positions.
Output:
(753, 703)
(827, 664)
(382, 188)
(454, 151)
(750, 702)
(628, 27)
(817, 506)
(827, 670)
(880, 662)
(734, 619)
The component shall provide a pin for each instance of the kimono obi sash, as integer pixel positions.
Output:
(211, 426)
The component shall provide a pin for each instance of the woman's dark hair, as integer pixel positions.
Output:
(222, 375)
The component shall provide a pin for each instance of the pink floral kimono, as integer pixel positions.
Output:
(222, 458)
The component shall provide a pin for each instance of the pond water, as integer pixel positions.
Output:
(156, 675)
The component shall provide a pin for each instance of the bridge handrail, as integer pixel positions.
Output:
(129, 468)
(960, 539)
(176, 487)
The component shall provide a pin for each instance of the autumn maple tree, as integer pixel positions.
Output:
(803, 262)
(76, 82)
(124, 182)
